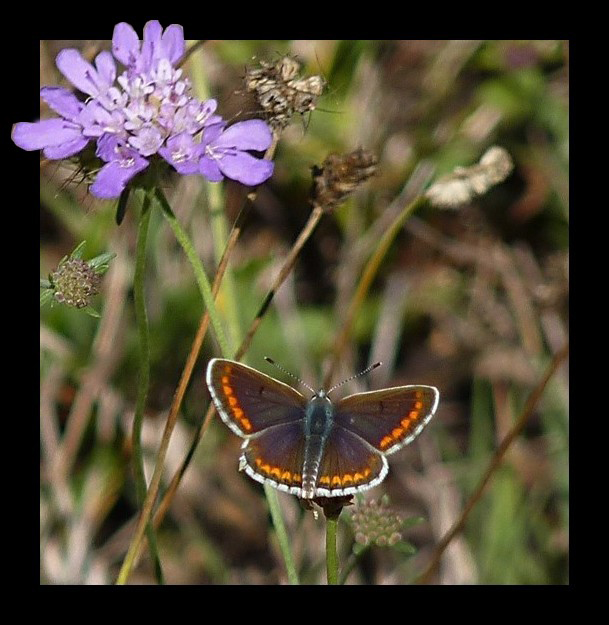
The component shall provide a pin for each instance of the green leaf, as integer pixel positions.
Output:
(100, 263)
(78, 250)
(405, 548)
(45, 296)
(412, 521)
(92, 312)
(45, 284)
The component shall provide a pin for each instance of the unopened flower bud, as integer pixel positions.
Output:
(376, 523)
(75, 283)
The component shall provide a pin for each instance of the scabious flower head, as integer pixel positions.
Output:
(147, 110)
(75, 282)
(374, 522)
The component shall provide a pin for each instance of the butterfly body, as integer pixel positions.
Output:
(316, 448)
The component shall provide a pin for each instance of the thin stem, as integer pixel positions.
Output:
(208, 297)
(530, 405)
(199, 271)
(288, 264)
(185, 379)
(282, 535)
(220, 236)
(331, 555)
(143, 383)
(365, 282)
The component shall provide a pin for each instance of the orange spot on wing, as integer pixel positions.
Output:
(387, 440)
(405, 423)
(418, 394)
(286, 476)
(296, 478)
(225, 379)
(266, 468)
(227, 390)
(276, 471)
(258, 462)
(414, 414)
(397, 432)
(232, 401)
(418, 405)
(347, 479)
(336, 481)
(357, 477)
(367, 472)
(324, 479)
(246, 424)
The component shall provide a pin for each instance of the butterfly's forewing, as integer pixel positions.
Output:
(276, 455)
(390, 418)
(348, 465)
(249, 401)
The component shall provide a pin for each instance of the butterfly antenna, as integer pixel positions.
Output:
(357, 375)
(289, 373)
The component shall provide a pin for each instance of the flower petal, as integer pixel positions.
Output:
(108, 147)
(69, 148)
(62, 101)
(125, 44)
(182, 153)
(106, 68)
(112, 178)
(173, 43)
(78, 71)
(45, 133)
(246, 168)
(253, 134)
(151, 45)
(209, 168)
(212, 132)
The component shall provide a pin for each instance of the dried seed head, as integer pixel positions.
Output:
(340, 175)
(463, 184)
(75, 282)
(376, 523)
(280, 90)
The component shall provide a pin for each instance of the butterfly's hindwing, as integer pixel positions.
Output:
(276, 455)
(388, 419)
(249, 401)
(348, 465)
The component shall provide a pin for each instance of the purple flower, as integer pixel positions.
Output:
(122, 163)
(146, 111)
(225, 152)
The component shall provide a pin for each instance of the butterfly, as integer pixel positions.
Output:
(313, 447)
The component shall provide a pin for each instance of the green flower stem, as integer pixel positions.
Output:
(282, 535)
(219, 230)
(199, 271)
(143, 382)
(208, 298)
(331, 555)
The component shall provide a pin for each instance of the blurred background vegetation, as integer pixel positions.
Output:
(473, 301)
